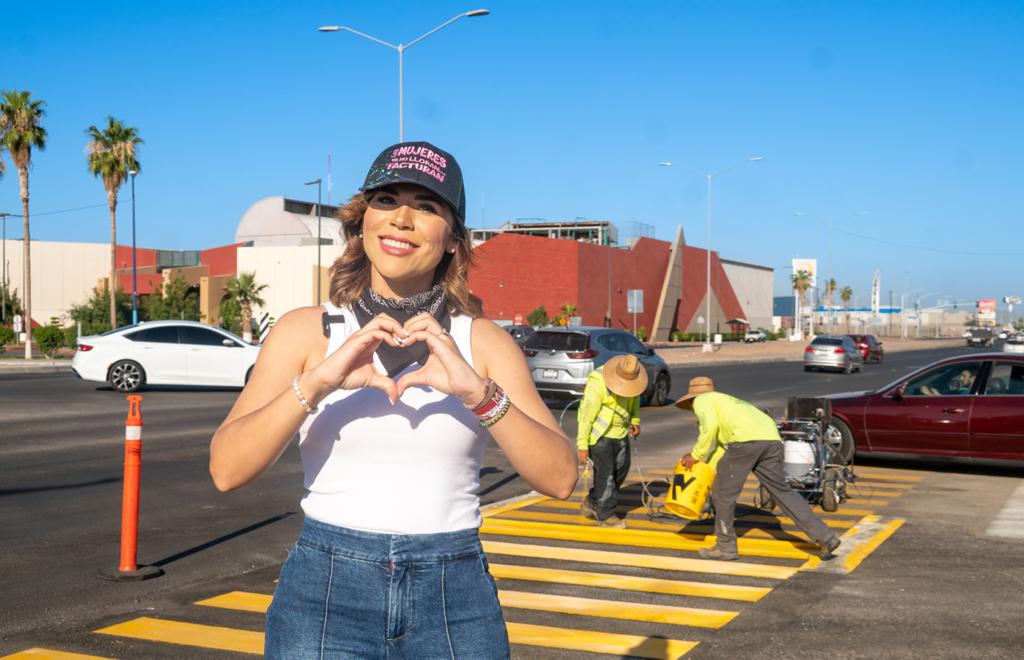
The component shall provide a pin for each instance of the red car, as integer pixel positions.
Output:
(970, 406)
(870, 348)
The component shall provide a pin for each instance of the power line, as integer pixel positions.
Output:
(929, 249)
(80, 208)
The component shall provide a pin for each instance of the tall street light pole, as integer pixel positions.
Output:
(3, 266)
(135, 294)
(400, 49)
(707, 294)
(830, 224)
(319, 223)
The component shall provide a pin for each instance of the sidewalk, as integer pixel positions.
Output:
(777, 351)
(35, 366)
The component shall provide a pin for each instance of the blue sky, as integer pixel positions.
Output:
(558, 110)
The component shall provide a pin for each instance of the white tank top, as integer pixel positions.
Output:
(411, 468)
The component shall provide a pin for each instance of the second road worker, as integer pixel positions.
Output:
(752, 443)
(609, 415)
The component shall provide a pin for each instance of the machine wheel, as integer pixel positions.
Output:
(661, 389)
(848, 369)
(831, 490)
(126, 376)
(840, 441)
(764, 499)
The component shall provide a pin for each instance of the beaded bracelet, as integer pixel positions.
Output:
(302, 400)
(489, 388)
(493, 407)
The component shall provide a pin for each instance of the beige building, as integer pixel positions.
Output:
(63, 274)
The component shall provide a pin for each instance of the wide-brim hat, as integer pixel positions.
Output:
(422, 164)
(625, 376)
(699, 385)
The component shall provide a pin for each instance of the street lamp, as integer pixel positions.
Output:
(135, 294)
(401, 48)
(3, 266)
(709, 177)
(319, 215)
(830, 224)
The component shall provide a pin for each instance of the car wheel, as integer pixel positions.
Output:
(126, 376)
(661, 388)
(248, 374)
(831, 490)
(840, 442)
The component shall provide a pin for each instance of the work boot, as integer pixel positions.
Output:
(612, 521)
(718, 553)
(587, 509)
(828, 547)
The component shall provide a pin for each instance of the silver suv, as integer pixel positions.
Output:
(560, 360)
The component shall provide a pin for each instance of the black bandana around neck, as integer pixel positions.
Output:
(396, 359)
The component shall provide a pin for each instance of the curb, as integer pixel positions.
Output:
(19, 367)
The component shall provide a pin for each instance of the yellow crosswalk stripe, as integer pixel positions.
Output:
(844, 510)
(667, 527)
(616, 609)
(637, 537)
(854, 489)
(633, 646)
(629, 583)
(50, 654)
(243, 601)
(658, 562)
(188, 634)
(888, 476)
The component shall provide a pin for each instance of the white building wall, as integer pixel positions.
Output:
(63, 274)
(289, 271)
(753, 287)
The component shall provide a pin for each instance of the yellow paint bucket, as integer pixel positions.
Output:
(689, 489)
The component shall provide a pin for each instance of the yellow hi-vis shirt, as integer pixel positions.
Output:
(727, 419)
(603, 414)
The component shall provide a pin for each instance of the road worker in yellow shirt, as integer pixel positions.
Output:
(608, 417)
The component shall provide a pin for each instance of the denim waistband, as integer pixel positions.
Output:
(374, 546)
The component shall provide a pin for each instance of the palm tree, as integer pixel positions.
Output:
(111, 154)
(244, 289)
(845, 294)
(801, 282)
(568, 311)
(830, 289)
(21, 130)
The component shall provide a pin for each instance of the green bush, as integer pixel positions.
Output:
(49, 338)
(538, 318)
(641, 333)
(7, 335)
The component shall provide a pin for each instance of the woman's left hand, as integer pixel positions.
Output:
(446, 370)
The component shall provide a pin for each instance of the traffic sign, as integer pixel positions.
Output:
(635, 301)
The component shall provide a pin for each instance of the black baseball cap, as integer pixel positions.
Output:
(422, 164)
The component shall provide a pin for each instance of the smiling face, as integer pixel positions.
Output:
(406, 231)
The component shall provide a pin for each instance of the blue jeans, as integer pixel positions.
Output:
(344, 593)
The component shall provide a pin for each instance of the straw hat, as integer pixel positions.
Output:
(624, 375)
(698, 386)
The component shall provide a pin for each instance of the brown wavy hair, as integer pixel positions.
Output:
(350, 273)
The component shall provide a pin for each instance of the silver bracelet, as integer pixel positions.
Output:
(302, 400)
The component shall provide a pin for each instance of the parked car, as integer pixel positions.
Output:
(980, 337)
(969, 406)
(164, 353)
(560, 360)
(830, 352)
(520, 332)
(870, 348)
(755, 336)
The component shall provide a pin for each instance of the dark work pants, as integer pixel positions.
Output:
(764, 458)
(611, 465)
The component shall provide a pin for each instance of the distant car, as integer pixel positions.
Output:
(829, 352)
(870, 348)
(1003, 334)
(755, 336)
(970, 406)
(560, 359)
(980, 337)
(164, 353)
(1014, 343)
(520, 332)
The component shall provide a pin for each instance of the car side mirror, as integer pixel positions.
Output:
(228, 343)
(897, 395)
(649, 352)
(879, 343)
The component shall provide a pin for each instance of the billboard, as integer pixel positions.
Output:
(810, 265)
(987, 310)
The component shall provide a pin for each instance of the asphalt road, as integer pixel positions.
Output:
(940, 587)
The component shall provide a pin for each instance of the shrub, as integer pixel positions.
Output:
(49, 338)
(538, 318)
(641, 333)
(7, 335)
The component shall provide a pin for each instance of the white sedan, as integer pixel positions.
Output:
(164, 353)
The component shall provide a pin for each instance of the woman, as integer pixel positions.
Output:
(391, 386)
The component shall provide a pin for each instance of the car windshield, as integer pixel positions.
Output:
(557, 341)
(827, 341)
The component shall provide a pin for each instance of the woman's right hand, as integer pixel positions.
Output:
(351, 366)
